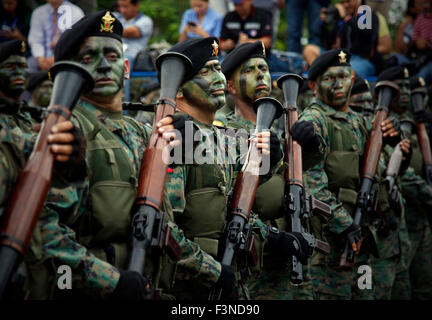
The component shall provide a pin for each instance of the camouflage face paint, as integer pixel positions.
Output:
(207, 88)
(362, 100)
(334, 86)
(13, 75)
(103, 58)
(42, 94)
(404, 101)
(252, 79)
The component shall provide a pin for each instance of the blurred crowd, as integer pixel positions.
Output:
(330, 24)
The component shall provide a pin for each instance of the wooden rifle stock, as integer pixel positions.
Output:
(422, 135)
(28, 196)
(239, 241)
(386, 91)
(299, 203)
(149, 226)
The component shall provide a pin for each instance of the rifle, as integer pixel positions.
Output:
(417, 96)
(392, 172)
(138, 106)
(239, 240)
(298, 203)
(365, 200)
(150, 229)
(31, 188)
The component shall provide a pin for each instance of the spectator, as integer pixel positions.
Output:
(200, 21)
(137, 28)
(366, 45)
(45, 30)
(423, 40)
(272, 6)
(295, 10)
(88, 6)
(404, 37)
(246, 23)
(381, 6)
(14, 20)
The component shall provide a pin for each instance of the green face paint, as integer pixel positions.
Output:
(207, 88)
(404, 101)
(334, 86)
(103, 58)
(362, 100)
(13, 75)
(42, 94)
(252, 79)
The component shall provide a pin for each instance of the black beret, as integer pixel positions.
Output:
(36, 79)
(331, 58)
(417, 82)
(99, 24)
(198, 50)
(242, 53)
(360, 86)
(393, 73)
(12, 47)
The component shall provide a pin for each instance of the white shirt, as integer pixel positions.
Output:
(42, 31)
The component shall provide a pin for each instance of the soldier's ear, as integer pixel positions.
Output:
(231, 87)
(180, 93)
(312, 85)
(126, 68)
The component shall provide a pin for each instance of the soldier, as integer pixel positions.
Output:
(392, 235)
(88, 227)
(335, 179)
(248, 78)
(193, 187)
(40, 87)
(417, 195)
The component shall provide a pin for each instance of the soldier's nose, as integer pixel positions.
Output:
(104, 66)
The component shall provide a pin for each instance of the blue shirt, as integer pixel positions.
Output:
(42, 30)
(212, 22)
(132, 46)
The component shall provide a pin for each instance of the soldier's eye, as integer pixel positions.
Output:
(86, 59)
(111, 56)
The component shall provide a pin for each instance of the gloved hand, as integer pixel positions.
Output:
(227, 281)
(289, 244)
(179, 123)
(354, 234)
(275, 150)
(75, 168)
(304, 133)
(132, 286)
(424, 116)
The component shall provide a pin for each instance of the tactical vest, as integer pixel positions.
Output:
(105, 227)
(204, 217)
(342, 162)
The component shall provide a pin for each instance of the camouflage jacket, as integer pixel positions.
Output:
(315, 178)
(65, 205)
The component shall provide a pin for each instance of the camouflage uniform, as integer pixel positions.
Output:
(183, 184)
(273, 282)
(67, 216)
(418, 196)
(329, 281)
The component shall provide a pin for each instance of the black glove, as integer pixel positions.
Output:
(75, 168)
(393, 141)
(132, 286)
(179, 123)
(354, 233)
(289, 244)
(424, 116)
(227, 281)
(304, 133)
(275, 150)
